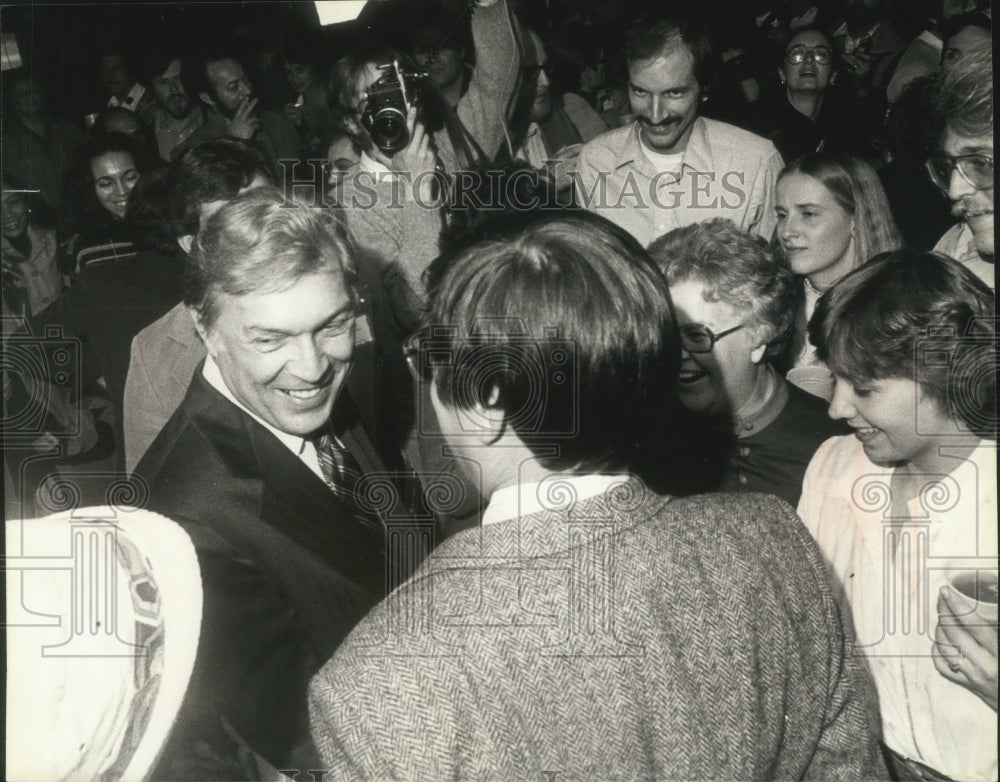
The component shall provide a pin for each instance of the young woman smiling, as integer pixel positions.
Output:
(909, 500)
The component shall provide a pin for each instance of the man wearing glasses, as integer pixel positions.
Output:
(263, 464)
(963, 167)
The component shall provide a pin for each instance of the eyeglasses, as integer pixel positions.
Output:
(425, 350)
(977, 170)
(821, 55)
(696, 338)
(532, 72)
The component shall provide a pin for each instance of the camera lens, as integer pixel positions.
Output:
(389, 130)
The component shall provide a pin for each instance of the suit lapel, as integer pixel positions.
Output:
(292, 498)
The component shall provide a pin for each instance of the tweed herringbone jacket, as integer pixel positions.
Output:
(628, 636)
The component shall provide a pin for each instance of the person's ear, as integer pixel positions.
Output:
(781, 75)
(206, 99)
(185, 242)
(757, 354)
(203, 332)
(491, 418)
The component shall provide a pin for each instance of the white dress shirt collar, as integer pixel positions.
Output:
(302, 447)
(555, 492)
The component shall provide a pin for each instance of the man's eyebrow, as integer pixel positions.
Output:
(979, 149)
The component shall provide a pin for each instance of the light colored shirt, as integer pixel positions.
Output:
(302, 447)
(959, 243)
(555, 492)
(41, 276)
(892, 590)
(172, 132)
(726, 172)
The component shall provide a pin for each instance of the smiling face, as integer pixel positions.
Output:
(808, 75)
(973, 206)
(723, 379)
(115, 177)
(883, 414)
(285, 354)
(664, 95)
(14, 215)
(816, 233)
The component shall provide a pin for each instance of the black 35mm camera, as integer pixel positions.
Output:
(388, 101)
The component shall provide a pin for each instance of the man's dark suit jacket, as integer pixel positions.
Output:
(287, 571)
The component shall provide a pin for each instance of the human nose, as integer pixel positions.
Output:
(310, 362)
(787, 228)
(120, 188)
(958, 185)
(842, 401)
(658, 109)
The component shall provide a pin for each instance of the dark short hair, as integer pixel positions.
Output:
(194, 69)
(657, 32)
(735, 268)
(212, 171)
(562, 321)
(155, 58)
(263, 242)
(916, 315)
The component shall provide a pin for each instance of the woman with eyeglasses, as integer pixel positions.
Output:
(736, 304)
(806, 114)
(905, 508)
(833, 216)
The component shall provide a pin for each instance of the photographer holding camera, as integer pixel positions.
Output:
(389, 196)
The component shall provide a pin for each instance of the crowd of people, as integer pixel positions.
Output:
(584, 391)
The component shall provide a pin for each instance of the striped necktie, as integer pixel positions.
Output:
(342, 473)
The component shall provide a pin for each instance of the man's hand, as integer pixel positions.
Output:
(965, 648)
(244, 123)
(417, 159)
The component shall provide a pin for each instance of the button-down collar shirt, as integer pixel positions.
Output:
(727, 172)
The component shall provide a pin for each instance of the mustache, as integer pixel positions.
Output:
(665, 122)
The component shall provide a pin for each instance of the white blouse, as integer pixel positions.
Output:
(891, 570)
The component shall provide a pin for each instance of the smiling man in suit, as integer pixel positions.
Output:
(261, 465)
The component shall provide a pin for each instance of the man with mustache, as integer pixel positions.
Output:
(671, 167)
(223, 86)
(176, 115)
(963, 166)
